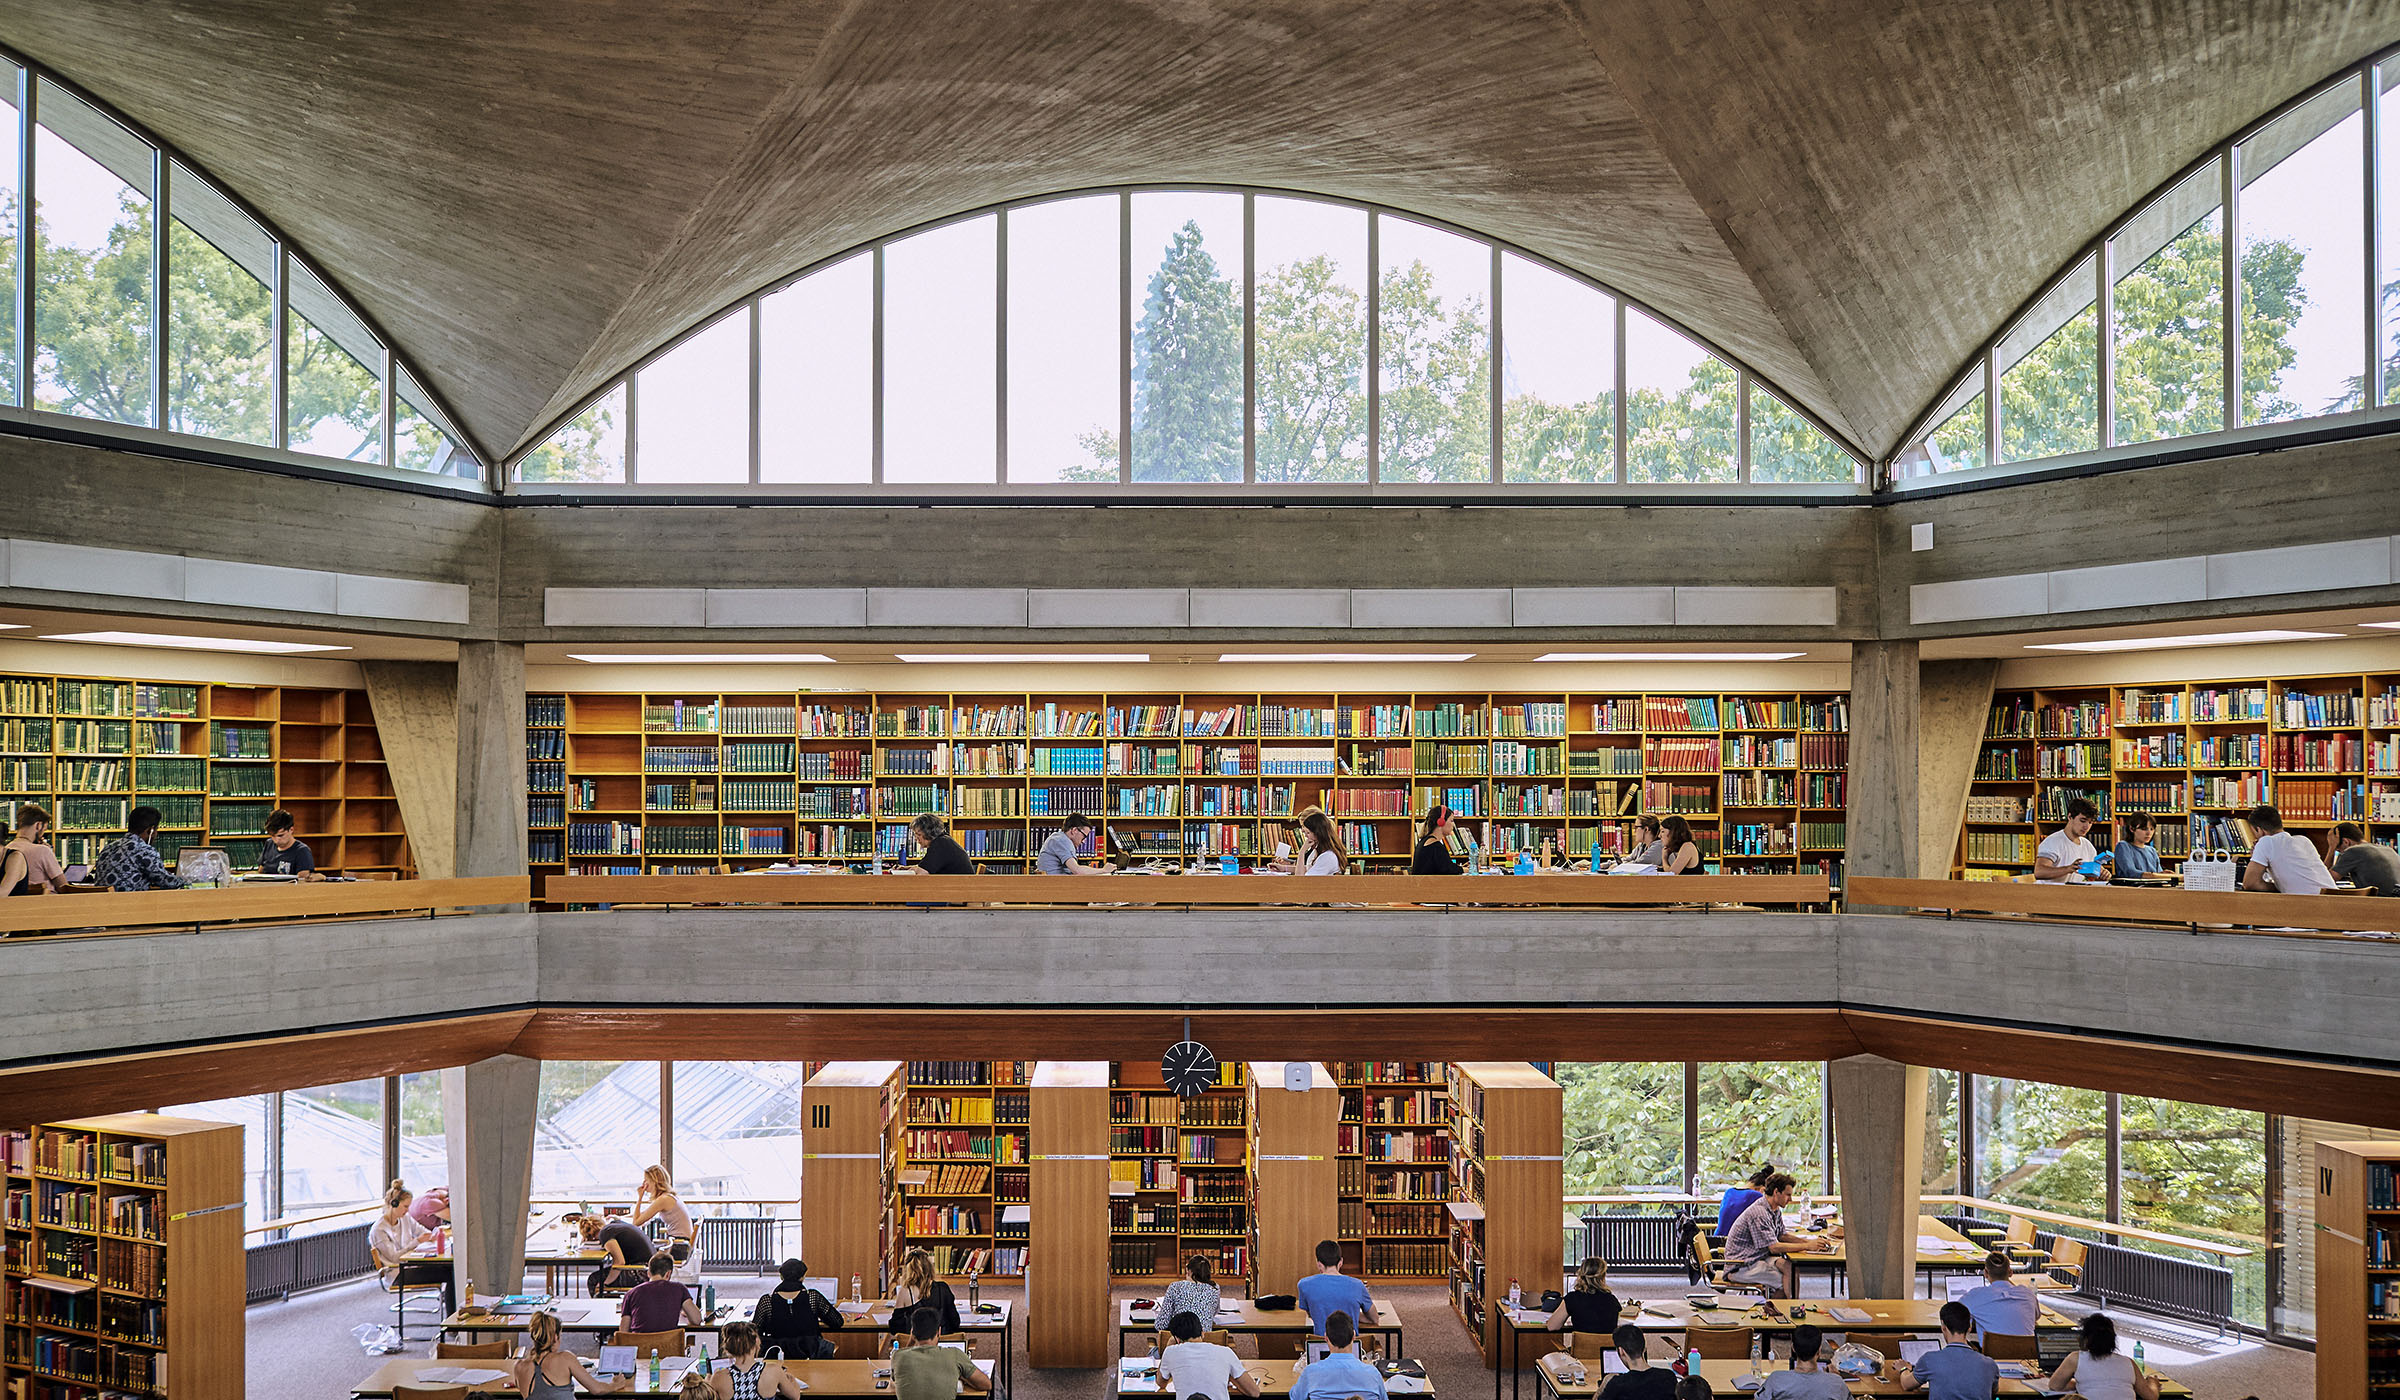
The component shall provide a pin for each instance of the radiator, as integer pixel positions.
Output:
(1636, 1241)
(2175, 1287)
(280, 1268)
(738, 1244)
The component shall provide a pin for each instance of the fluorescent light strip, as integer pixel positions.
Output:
(160, 639)
(1347, 656)
(1670, 656)
(978, 658)
(2379, 624)
(2197, 639)
(702, 658)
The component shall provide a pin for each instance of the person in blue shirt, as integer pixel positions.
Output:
(1329, 1291)
(2135, 855)
(1738, 1199)
(1955, 1370)
(1339, 1372)
(2000, 1305)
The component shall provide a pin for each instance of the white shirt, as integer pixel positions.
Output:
(1200, 1368)
(391, 1242)
(2293, 862)
(2059, 848)
(1323, 863)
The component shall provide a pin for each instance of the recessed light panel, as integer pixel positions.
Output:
(1670, 655)
(702, 658)
(2196, 639)
(160, 639)
(1254, 656)
(1037, 658)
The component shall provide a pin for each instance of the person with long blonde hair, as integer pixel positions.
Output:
(1590, 1307)
(921, 1287)
(548, 1371)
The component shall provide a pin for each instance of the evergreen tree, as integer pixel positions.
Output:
(1187, 370)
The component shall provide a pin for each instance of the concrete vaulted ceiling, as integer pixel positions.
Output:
(1849, 194)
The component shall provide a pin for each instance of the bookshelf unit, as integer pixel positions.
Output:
(850, 1146)
(2192, 755)
(214, 759)
(1507, 1179)
(1187, 1162)
(1395, 1170)
(2358, 1269)
(1292, 1176)
(962, 1132)
(124, 1242)
(670, 783)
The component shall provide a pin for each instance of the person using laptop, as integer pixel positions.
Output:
(131, 862)
(548, 1371)
(285, 853)
(2290, 862)
(1191, 1367)
(1807, 1380)
(41, 874)
(1329, 1290)
(1340, 1371)
(927, 1370)
(659, 1303)
(2096, 1370)
(2002, 1305)
(793, 1318)
(1955, 1370)
(1758, 1248)
(1639, 1380)
(2366, 864)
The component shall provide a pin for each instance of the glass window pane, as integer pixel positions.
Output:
(2303, 260)
(2387, 225)
(591, 447)
(1436, 386)
(941, 389)
(2296, 1232)
(2199, 1170)
(695, 408)
(1624, 1125)
(220, 315)
(816, 376)
(1064, 365)
(1958, 444)
(595, 1128)
(424, 1151)
(1787, 447)
(1941, 1131)
(737, 1129)
(1762, 1111)
(333, 374)
(1312, 340)
(333, 1149)
(2049, 373)
(250, 1112)
(2042, 1145)
(1679, 406)
(11, 180)
(2170, 313)
(92, 203)
(1558, 376)
(1187, 337)
(418, 440)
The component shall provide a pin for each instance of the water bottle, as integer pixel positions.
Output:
(974, 1290)
(703, 1368)
(1691, 1362)
(1758, 1360)
(654, 1363)
(2137, 1351)
(1598, 864)
(858, 1289)
(708, 1293)
(1516, 1295)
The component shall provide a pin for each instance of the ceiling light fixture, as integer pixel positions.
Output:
(161, 639)
(703, 658)
(978, 658)
(2379, 624)
(1670, 655)
(2196, 639)
(1255, 656)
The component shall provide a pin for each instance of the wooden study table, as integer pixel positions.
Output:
(1721, 1376)
(1242, 1318)
(844, 1378)
(1939, 1249)
(1275, 1378)
(410, 1370)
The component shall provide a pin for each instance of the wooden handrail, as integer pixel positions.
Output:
(295, 903)
(1562, 890)
(1979, 1204)
(2124, 905)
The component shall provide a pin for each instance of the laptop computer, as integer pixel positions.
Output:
(1913, 1349)
(78, 874)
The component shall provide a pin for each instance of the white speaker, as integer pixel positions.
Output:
(1298, 1075)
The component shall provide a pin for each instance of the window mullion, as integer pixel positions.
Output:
(159, 215)
(1374, 347)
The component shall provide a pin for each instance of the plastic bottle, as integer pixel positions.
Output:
(1758, 1363)
(858, 1289)
(974, 1290)
(470, 1294)
(654, 1363)
(2137, 1351)
(1691, 1362)
(1599, 864)
(1516, 1295)
(708, 1293)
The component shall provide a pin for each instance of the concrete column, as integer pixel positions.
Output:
(1884, 759)
(487, 1117)
(491, 759)
(1879, 1133)
(416, 717)
(1957, 702)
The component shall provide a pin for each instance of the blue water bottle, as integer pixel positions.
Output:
(1598, 865)
(1524, 862)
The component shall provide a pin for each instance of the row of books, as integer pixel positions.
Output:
(956, 1179)
(931, 1143)
(939, 1108)
(545, 744)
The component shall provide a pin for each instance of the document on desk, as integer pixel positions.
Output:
(459, 1375)
(1934, 1244)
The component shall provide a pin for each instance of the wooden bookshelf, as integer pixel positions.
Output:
(1507, 1179)
(120, 1215)
(2193, 755)
(214, 759)
(1066, 1277)
(2357, 1246)
(1394, 1168)
(667, 783)
(963, 1131)
(850, 1113)
(1186, 1161)
(1294, 1170)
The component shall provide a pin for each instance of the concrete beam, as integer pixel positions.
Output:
(1879, 1140)
(488, 1111)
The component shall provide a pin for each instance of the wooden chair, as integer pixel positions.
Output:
(648, 1344)
(405, 1391)
(956, 1339)
(470, 1351)
(1590, 1346)
(2005, 1346)
(428, 1280)
(2066, 1262)
(2019, 1240)
(1712, 1269)
(1718, 1343)
(1220, 1337)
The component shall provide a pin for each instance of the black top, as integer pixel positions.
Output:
(296, 861)
(1434, 858)
(1593, 1312)
(1649, 1383)
(939, 1297)
(803, 1319)
(944, 856)
(630, 1240)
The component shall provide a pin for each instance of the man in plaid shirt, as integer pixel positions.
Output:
(130, 862)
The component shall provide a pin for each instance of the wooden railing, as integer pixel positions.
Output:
(1565, 891)
(2304, 916)
(156, 909)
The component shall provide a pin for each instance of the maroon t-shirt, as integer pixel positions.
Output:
(655, 1306)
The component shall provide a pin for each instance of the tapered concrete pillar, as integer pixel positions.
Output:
(416, 718)
(1884, 775)
(491, 759)
(1879, 1138)
(1956, 704)
(487, 1118)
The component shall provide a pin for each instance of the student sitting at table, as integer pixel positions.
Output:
(1758, 1247)
(1190, 1367)
(1955, 1370)
(432, 1208)
(659, 1304)
(922, 1290)
(1649, 843)
(395, 1234)
(746, 1375)
(938, 853)
(2135, 855)
(1433, 855)
(1807, 1380)
(2096, 1370)
(131, 861)
(2290, 861)
(1640, 1380)
(285, 853)
(1339, 1372)
(2000, 1305)
(628, 1251)
(1196, 1292)
(927, 1370)
(2366, 864)
(1329, 1290)
(1059, 856)
(1680, 853)
(40, 873)
(548, 1371)
(1324, 855)
(1589, 1307)
(2069, 846)
(655, 1198)
(794, 1318)
(1738, 1199)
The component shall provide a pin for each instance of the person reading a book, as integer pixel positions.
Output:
(1639, 1380)
(285, 853)
(1288, 859)
(41, 873)
(2366, 864)
(1955, 1370)
(1433, 855)
(131, 862)
(1322, 852)
(1190, 1367)
(937, 853)
(745, 1375)
(1059, 855)
(1196, 1292)
(548, 1371)
(1340, 1371)
(2069, 846)
(2290, 862)
(2096, 1370)
(2135, 855)
(1649, 842)
(927, 1370)
(1329, 1290)
(1679, 853)
(659, 1303)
